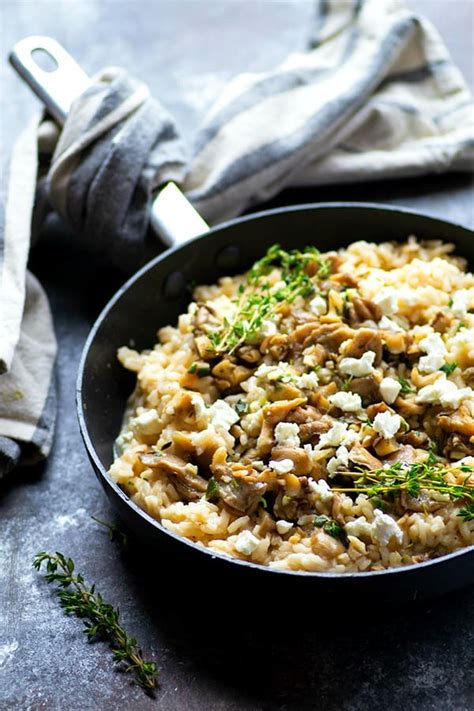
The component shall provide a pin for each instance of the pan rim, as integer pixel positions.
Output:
(102, 472)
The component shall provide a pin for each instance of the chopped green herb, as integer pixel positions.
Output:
(262, 500)
(329, 526)
(286, 500)
(449, 367)
(241, 407)
(450, 302)
(467, 513)
(199, 369)
(212, 489)
(461, 324)
(406, 386)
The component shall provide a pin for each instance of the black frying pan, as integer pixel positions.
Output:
(160, 291)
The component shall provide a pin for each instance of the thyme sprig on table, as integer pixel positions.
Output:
(258, 300)
(101, 620)
(429, 475)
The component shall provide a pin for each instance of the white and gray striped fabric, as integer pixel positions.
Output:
(27, 341)
(375, 96)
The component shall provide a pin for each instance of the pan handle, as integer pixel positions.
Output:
(172, 216)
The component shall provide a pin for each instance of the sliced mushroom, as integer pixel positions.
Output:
(241, 495)
(329, 335)
(360, 310)
(301, 461)
(272, 414)
(363, 458)
(367, 387)
(182, 474)
(365, 340)
(461, 421)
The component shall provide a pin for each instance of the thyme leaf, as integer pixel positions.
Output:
(101, 620)
(429, 475)
(259, 300)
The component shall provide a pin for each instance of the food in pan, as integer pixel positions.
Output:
(315, 413)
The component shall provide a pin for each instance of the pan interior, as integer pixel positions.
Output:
(162, 290)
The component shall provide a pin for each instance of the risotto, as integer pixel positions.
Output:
(315, 413)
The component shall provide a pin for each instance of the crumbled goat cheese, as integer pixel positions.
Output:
(222, 415)
(433, 345)
(274, 372)
(283, 527)
(384, 528)
(286, 434)
(445, 392)
(268, 328)
(321, 489)
(381, 530)
(147, 423)
(358, 367)
(318, 306)
(387, 300)
(431, 363)
(340, 460)
(390, 389)
(360, 528)
(461, 301)
(387, 424)
(388, 324)
(282, 466)
(308, 381)
(122, 441)
(246, 543)
(199, 406)
(338, 434)
(347, 402)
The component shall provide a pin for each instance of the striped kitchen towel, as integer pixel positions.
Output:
(375, 96)
(27, 341)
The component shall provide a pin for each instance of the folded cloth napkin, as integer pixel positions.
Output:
(375, 96)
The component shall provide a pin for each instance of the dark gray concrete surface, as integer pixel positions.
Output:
(295, 657)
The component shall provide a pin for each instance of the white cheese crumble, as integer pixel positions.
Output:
(199, 406)
(286, 434)
(433, 345)
(146, 423)
(321, 489)
(222, 415)
(282, 466)
(388, 324)
(122, 441)
(445, 393)
(387, 424)
(360, 528)
(387, 300)
(246, 543)
(308, 381)
(460, 303)
(358, 367)
(384, 528)
(337, 435)
(347, 402)
(381, 530)
(318, 306)
(283, 527)
(390, 389)
(340, 460)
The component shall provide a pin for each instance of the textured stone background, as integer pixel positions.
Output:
(285, 655)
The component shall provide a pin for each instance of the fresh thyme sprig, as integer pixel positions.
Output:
(258, 300)
(429, 475)
(101, 620)
(116, 535)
